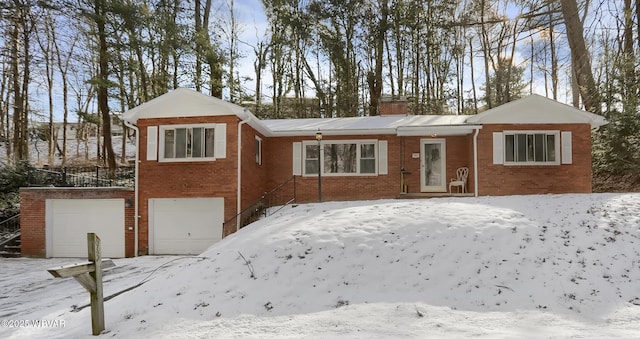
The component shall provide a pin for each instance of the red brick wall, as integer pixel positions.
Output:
(279, 158)
(398, 107)
(510, 180)
(254, 175)
(207, 179)
(33, 214)
(459, 153)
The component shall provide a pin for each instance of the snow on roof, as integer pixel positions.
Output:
(536, 109)
(182, 102)
(363, 125)
(185, 102)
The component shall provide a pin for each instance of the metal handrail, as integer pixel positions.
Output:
(10, 225)
(261, 207)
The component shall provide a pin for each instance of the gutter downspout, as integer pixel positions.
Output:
(239, 180)
(136, 208)
(475, 162)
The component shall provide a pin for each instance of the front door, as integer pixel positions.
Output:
(433, 174)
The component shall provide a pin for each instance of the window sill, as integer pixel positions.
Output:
(532, 164)
(187, 160)
(368, 175)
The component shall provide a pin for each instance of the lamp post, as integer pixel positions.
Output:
(319, 138)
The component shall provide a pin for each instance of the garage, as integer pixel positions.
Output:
(185, 225)
(69, 220)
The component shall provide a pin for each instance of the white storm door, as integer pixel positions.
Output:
(433, 173)
(184, 225)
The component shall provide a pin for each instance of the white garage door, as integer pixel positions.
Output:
(69, 221)
(184, 226)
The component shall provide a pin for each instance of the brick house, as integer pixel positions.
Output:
(199, 149)
(201, 160)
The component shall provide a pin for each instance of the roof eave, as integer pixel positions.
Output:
(598, 121)
(333, 132)
(439, 130)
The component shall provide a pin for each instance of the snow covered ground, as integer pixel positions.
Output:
(499, 267)
(78, 153)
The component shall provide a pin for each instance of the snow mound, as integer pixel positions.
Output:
(573, 255)
(460, 253)
(489, 254)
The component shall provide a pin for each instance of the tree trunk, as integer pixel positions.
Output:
(102, 91)
(4, 111)
(638, 21)
(20, 135)
(486, 46)
(63, 68)
(473, 81)
(258, 65)
(580, 57)
(554, 58)
(234, 90)
(375, 79)
(211, 55)
(46, 47)
(26, 77)
(199, 48)
(511, 63)
(531, 68)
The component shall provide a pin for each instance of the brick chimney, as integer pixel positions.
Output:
(393, 106)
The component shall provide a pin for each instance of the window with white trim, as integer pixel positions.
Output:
(341, 157)
(187, 142)
(532, 147)
(258, 150)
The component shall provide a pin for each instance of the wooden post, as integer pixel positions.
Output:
(97, 303)
(89, 275)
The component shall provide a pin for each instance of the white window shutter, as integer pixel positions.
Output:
(382, 157)
(152, 143)
(498, 148)
(567, 148)
(297, 158)
(220, 141)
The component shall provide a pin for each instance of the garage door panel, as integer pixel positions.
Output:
(69, 221)
(185, 225)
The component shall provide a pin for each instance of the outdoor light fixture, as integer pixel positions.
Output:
(319, 138)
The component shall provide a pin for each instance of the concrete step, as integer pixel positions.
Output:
(5, 254)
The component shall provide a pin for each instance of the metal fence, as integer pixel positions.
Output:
(94, 176)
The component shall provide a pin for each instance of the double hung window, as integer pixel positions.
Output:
(188, 143)
(534, 148)
(341, 157)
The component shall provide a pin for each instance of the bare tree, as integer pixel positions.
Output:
(21, 21)
(206, 50)
(102, 82)
(378, 34)
(45, 39)
(580, 57)
(63, 62)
